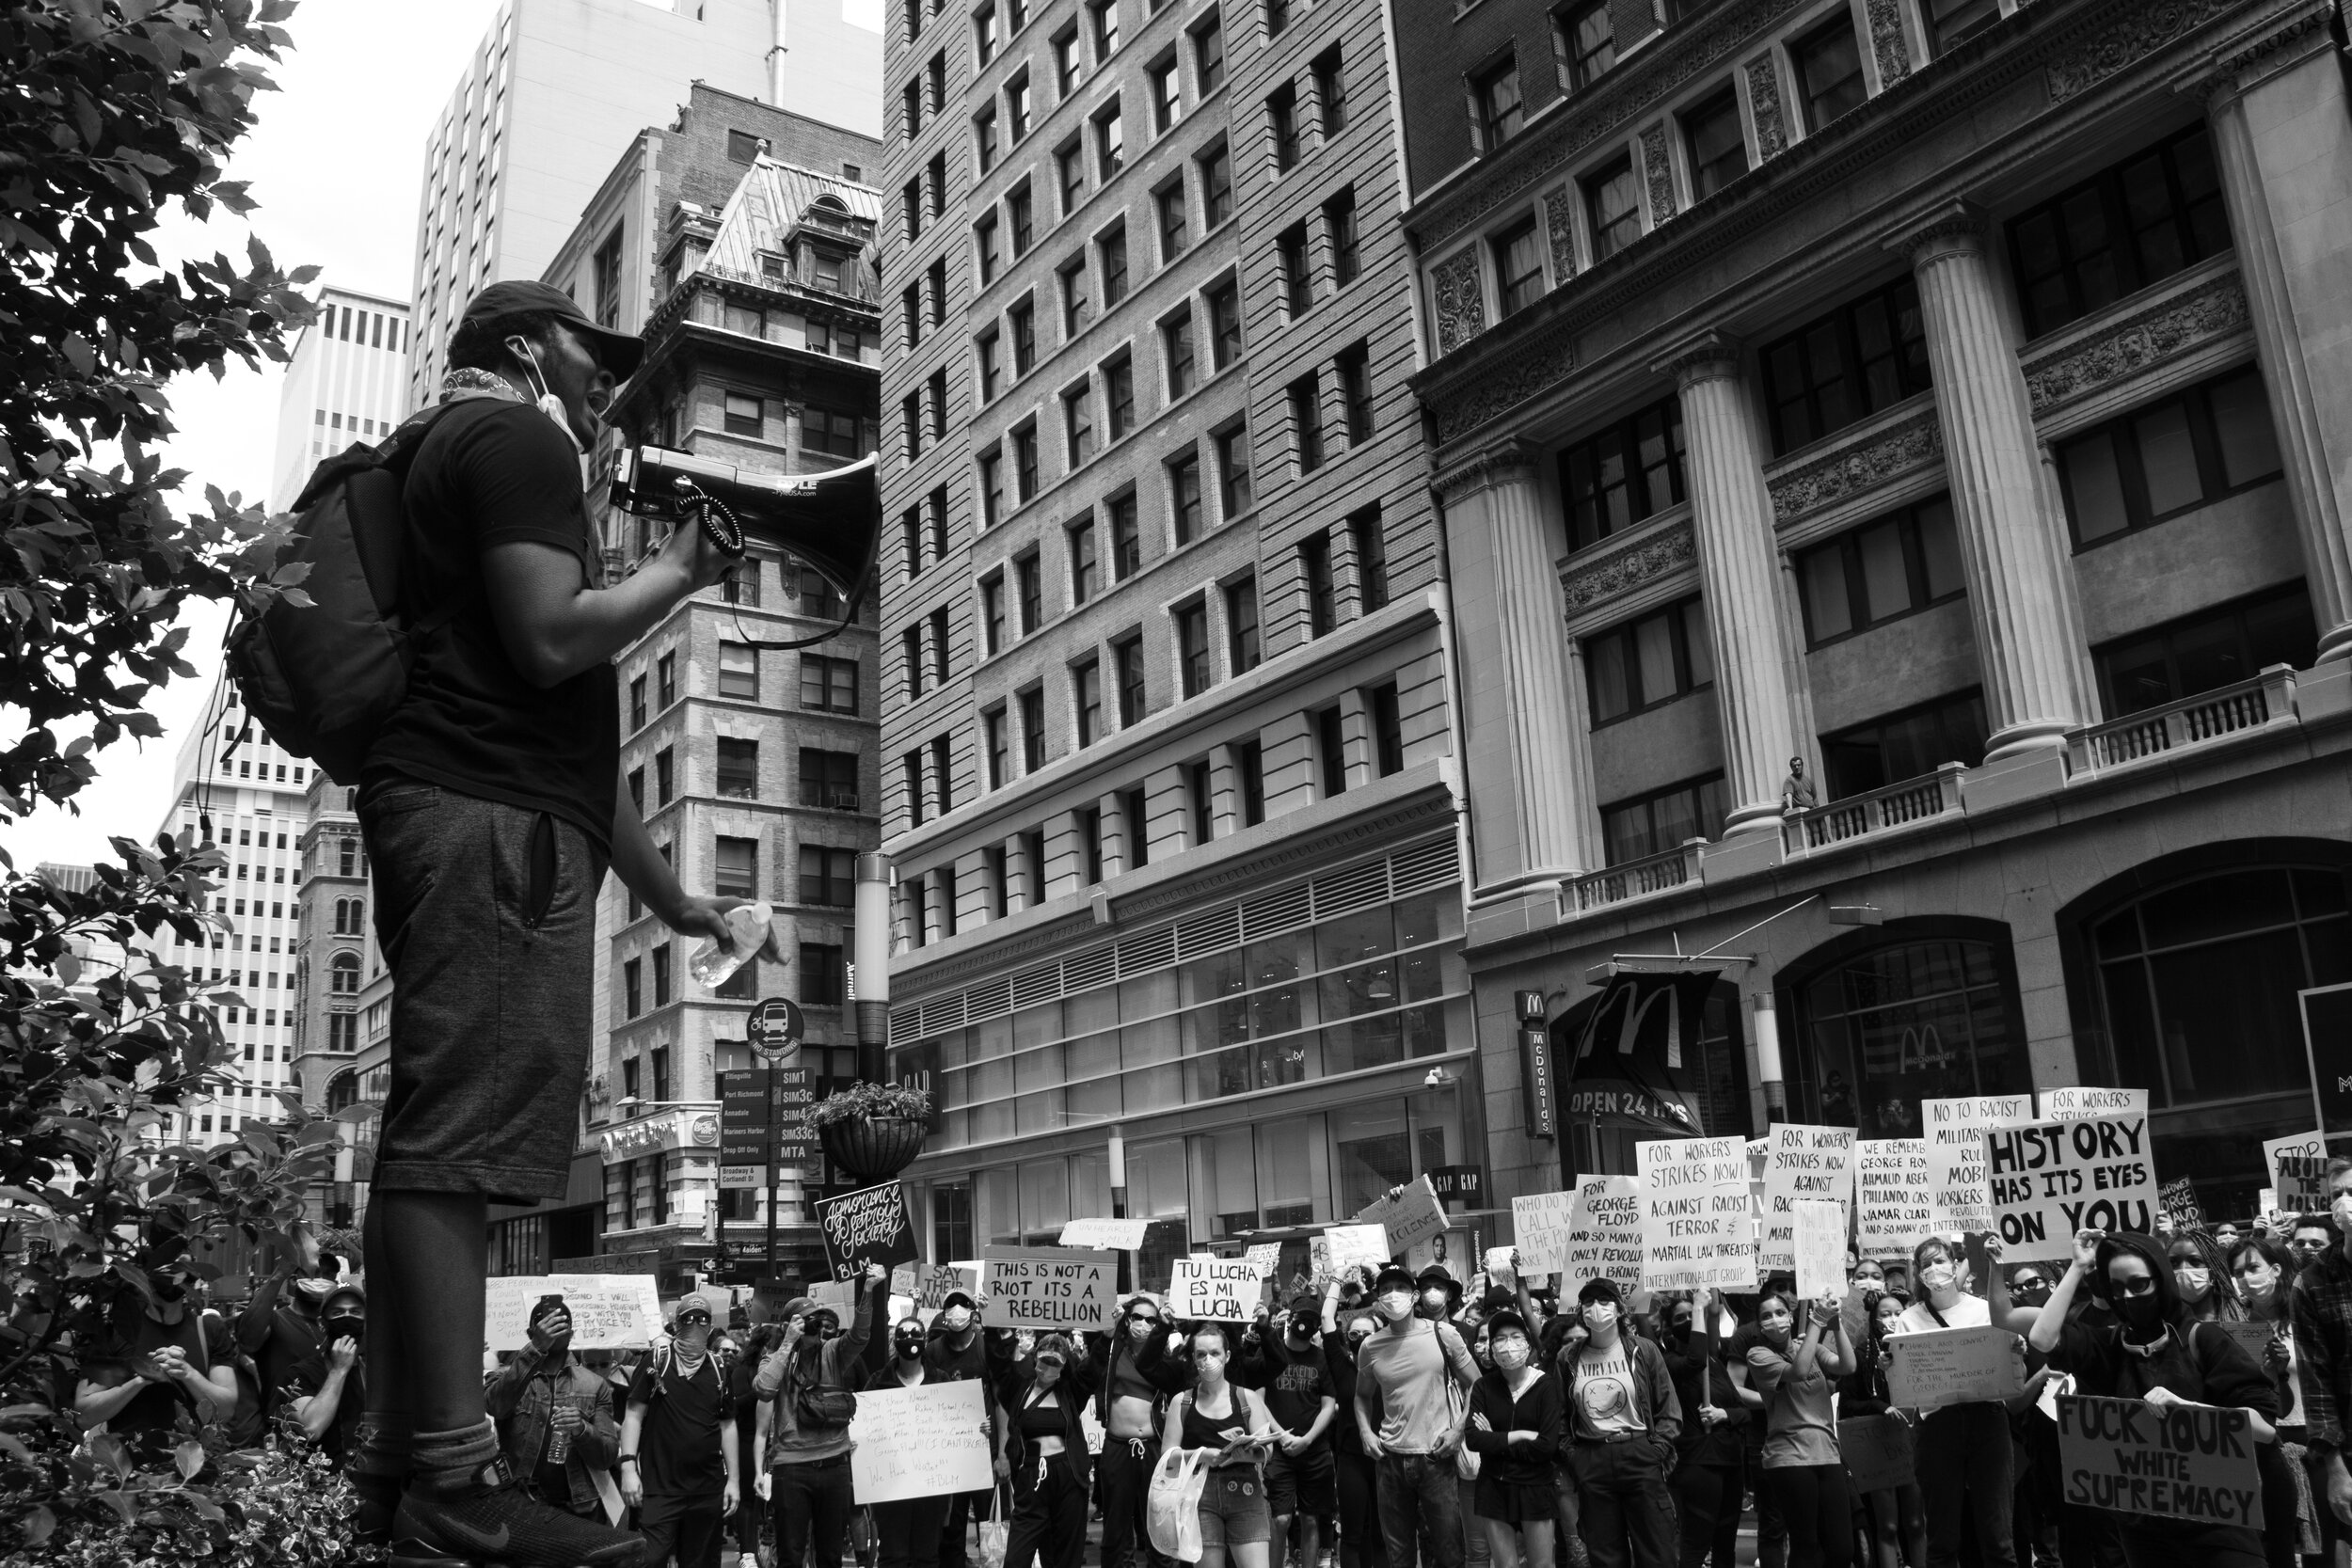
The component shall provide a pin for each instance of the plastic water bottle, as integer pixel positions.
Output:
(558, 1445)
(715, 962)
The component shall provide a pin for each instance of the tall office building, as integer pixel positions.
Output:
(553, 94)
(346, 382)
(1170, 777)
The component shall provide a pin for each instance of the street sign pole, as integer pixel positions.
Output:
(771, 1169)
(775, 1028)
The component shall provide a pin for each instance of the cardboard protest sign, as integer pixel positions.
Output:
(1265, 1257)
(1695, 1229)
(2253, 1337)
(1414, 1214)
(2076, 1104)
(1119, 1235)
(1818, 1255)
(868, 1225)
(1954, 1366)
(1541, 1221)
(2191, 1461)
(2051, 1179)
(1891, 1188)
(2298, 1171)
(1222, 1289)
(920, 1442)
(1050, 1287)
(1802, 1163)
(1345, 1246)
(1605, 1233)
(609, 1311)
(1879, 1452)
(936, 1282)
(1957, 1198)
(837, 1296)
(2179, 1199)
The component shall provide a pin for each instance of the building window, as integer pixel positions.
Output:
(1290, 257)
(1017, 106)
(1070, 66)
(1176, 352)
(1199, 800)
(1904, 746)
(1613, 209)
(832, 432)
(911, 769)
(1020, 214)
(828, 685)
(1241, 627)
(660, 958)
(993, 613)
(1074, 308)
(1110, 144)
(824, 976)
(1249, 775)
(1192, 647)
(1127, 657)
(1126, 536)
(1950, 22)
(2168, 457)
(943, 774)
(1234, 493)
(1167, 94)
(1078, 418)
(1828, 61)
(2211, 649)
(1623, 473)
(1032, 730)
(664, 777)
(1586, 43)
(988, 353)
(1216, 187)
(742, 146)
(741, 584)
(1281, 115)
(632, 1000)
(739, 672)
(1306, 424)
(992, 488)
(1104, 16)
(1867, 354)
(738, 768)
(1331, 75)
(1718, 148)
(2137, 223)
(1339, 232)
(1118, 396)
(984, 32)
(1314, 571)
(1069, 177)
(1904, 1023)
(1208, 54)
(1518, 266)
(984, 139)
(1370, 543)
(1169, 202)
(1495, 104)
(911, 424)
(1025, 463)
(736, 868)
(1086, 687)
(995, 731)
(607, 269)
(637, 703)
(1878, 573)
(1183, 496)
(984, 247)
(828, 876)
(1030, 576)
(1330, 751)
(1084, 570)
(828, 779)
(1022, 314)
(1225, 342)
(911, 660)
(1657, 823)
(1652, 660)
(1091, 844)
(666, 678)
(1111, 246)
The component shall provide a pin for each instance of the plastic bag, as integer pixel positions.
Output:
(1173, 1508)
(994, 1533)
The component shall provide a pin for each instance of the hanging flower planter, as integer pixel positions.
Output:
(872, 1132)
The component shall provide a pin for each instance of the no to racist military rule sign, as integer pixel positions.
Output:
(2190, 1462)
(2052, 1179)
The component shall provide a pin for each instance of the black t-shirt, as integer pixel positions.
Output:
(678, 1452)
(1295, 1384)
(296, 1341)
(206, 1341)
(309, 1376)
(494, 472)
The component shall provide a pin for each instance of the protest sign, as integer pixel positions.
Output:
(2051, 1179)
(1879, 1452)
(1605, 1233)
(1695, 1229)
(1345, 1246)
(2179, 1199)
(2192, 1462)
(919, 1443)
(1954, 1366)
(1118, 1235)
(1050, 1287)
(936, 1282)
(1957, 1200)
(1541, 1221)
(1223, 1289)
(2298, 1167)
(2079, 1103)
(2252, 1336)
(609, 1311)
(1891, 1186)
(1802, 1163)
(1413, 1214)
(1499, 1268)
(868, 1225)
(1265, 1257)
(837, 1296)
(1819, 1254)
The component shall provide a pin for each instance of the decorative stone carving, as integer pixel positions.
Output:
(2127, 35)
(1898, 449)
(1887, 43)
(1524, 375)
(1622, 571)
(1658, 173)
(1703, 355)
(2214, 308)
(1461, 303)
(1506, 463)
(1560, 226)
(1771, 135)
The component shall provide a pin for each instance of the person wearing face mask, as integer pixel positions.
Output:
(907, 1531)
(1043, 1394)
(1709, 1475)
(1965, 1467)
(1233, 1425)
(160, 1370)
(1406, 1420)
(1286, 1364)
(961, 1348)
(1441, 1294)
(555, 1417)
(804, 1454)
(1355, 1487)
(2157, 1351)
(1136, 1383)
(1793, 1368)
(1623, 1421)
(678, 1449)
(1515, 1422)
(279, 1328)
(328, 1390)
(2292, 1521)
(2320, 1306)
(1894, 1518)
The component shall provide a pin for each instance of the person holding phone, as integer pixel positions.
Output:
(804, 1437)
(1234, 1425)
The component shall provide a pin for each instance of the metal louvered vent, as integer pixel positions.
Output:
(1097, 966)
(1423, 865)
(1352, 889)
(1042, 984)
(942, 1013)
(1275, 912)
(1206, 933)
(1139, 955)
(905, 1025)
(988, 999)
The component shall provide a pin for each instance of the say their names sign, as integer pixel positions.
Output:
(1605, 1232)
(1803, 1162)
(2190, 1462)
(1957, 1197)
(1891, 1188)
(2052, 1179)
(1695, 1230)
(918, 1442)
(1050, 1287)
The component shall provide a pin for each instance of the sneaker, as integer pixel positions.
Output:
(488, 1523)
(376, 1498)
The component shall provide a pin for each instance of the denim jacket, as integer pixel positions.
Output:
(520, 1399)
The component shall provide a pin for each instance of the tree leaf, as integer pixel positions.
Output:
(188, 1458)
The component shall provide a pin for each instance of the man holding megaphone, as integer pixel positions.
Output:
(492, 805)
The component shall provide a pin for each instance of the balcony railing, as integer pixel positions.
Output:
(1896, 805)
(1633, 880)
(2209, 716)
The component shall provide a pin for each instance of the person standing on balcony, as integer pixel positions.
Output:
(1798, 793)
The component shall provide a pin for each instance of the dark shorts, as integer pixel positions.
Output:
(1232, 1508)
(488, 918)
(1303, 1483)
(1514, 1503)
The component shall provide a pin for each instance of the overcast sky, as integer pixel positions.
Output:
(335, 162)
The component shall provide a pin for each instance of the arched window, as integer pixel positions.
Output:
(343, 975)
(1880, 1030)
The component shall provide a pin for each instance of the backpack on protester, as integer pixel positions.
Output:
(816, 1403)
(323, 678)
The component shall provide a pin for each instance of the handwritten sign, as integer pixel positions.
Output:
(2179, 1197)
(919, 1443)
(1819, 1254)
(1346, 1247)
(2298, 1169)
(1802, 1163)
(1605, 1232)
(1222, 1289)
(1264, 1257)
(1695, 1231)
(1541, 1223)
(1050, 1288)
(2080, 1103)
(2049, 1179)
(1957, 1198)
(2181, 1461)
(1118, 1235)
(1879, 1452)
(1891, 1187)
(1954, 1366)
(868, 1225)
(936, 1282)
(609, 1311)
(1411, 1216)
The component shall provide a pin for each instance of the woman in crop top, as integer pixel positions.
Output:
(1233, 1425)
(1042, 1394)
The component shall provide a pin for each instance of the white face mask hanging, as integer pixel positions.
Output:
(549, 403)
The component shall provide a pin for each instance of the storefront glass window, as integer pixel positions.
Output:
(1906, 1022)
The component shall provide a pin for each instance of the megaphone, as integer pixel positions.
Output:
(830, 520)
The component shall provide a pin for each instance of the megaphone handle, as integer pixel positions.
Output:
(709, 509)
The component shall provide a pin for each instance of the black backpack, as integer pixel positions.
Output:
(323, 678)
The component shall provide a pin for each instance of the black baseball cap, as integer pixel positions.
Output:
(498, 302)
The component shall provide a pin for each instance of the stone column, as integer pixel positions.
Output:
(1732, 527)
(1524, 791)
(1356, 739)
(1019, 872)
(1289, 752)
(1224, 793)
(1168, 832)
(2280, 133)
(2020, 574)
(1113, 814)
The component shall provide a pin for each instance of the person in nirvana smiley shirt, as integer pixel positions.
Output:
(1624, 1418)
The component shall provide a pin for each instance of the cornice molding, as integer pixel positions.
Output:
(1544, 362)
(2214, 308)
(1903, 448)
(1588, 583)
(1949, 228)
(1706, 356)
(2131, 34)
(1504, 462)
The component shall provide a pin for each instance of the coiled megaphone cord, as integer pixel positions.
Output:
(732, 542)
